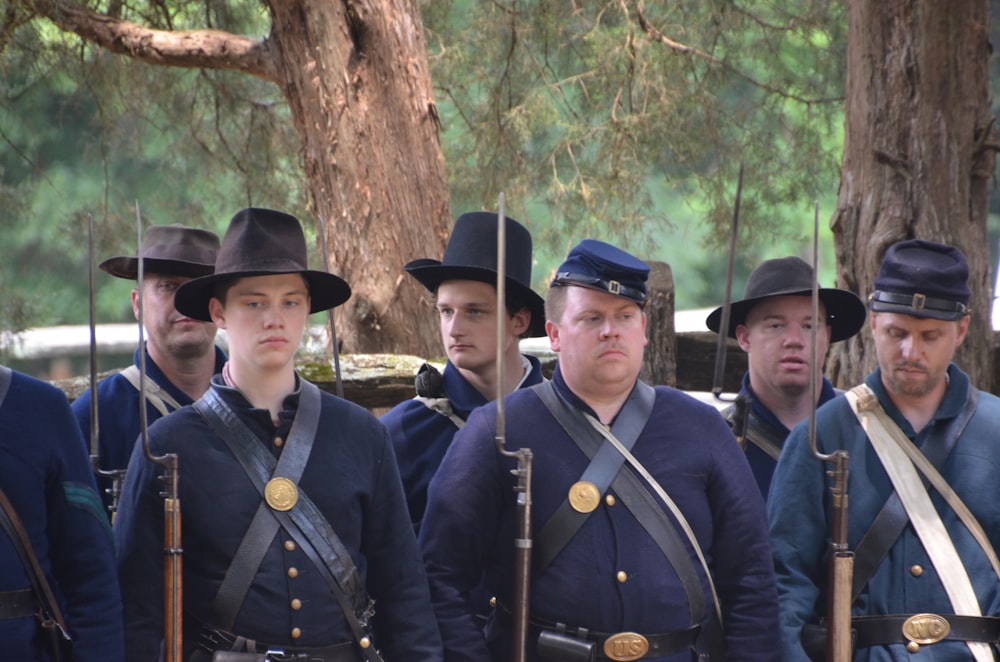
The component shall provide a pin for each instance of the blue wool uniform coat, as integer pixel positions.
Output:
(761, 463)
(118, 415)
(798, 510)
(420, 436)
(351, 475)
(47, 477)
(686, 445)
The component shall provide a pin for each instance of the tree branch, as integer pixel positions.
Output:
(194, 49)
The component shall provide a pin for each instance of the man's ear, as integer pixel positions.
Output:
(742, 336)
(217, 312)
(519, 322)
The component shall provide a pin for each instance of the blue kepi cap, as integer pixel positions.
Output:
(922, 279)
(605, 268)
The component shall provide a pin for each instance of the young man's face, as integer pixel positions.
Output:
(264, 317)
(777, 337)
(914, 352)
(169, 333)
(467, 310)
(600, 339)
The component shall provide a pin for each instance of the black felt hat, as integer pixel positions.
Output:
(261, 242)
(599, 266)
(922, 279)
(792, 276)
(471, 254)
(169, 249)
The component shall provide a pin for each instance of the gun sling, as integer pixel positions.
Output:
(636, 498)
(43, 602)
(304, 521)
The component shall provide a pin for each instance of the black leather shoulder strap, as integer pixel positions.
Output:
(755, 431)
(892, 519)
(304, 521)
(627, 485)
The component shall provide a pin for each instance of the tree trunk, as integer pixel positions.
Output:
(919, 153)
(356, 78)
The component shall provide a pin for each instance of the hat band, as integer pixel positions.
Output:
(608, 285)
(919, 301)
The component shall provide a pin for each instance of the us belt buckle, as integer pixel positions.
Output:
(625, 646)
(924, 629)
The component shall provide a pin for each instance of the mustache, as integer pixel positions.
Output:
(907, 365)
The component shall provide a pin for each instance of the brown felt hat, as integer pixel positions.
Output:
(261, 242)
(169, 249)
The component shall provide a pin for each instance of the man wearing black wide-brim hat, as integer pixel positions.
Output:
(293, 512)
(463, 284)
(922, 516)
(773, 325)
(181, 355)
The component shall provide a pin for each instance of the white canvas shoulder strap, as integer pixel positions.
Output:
(156, 396)
(923, 515)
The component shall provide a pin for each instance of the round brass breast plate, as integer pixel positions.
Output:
(584, 496)
(281, 493)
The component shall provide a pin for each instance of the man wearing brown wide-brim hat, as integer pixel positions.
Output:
(293, 511)
(773, 323)
(181, 355)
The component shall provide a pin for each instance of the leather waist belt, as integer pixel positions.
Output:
(212, 640)
(923, 629)
(656, 645)
(17, 604)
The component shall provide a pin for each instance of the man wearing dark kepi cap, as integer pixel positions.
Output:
(773, 325)
(181, 355)
(297, 542)
(922, 520)
(647, 526)
(463, 283)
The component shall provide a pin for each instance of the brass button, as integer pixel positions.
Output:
(913, 647)
(364, 642)
(296, 633)
(293, 572)
(289, 545)
(279, 442)
(622, 576)
(493, 602)
(296, 604)
(916, 570)
(610, 499)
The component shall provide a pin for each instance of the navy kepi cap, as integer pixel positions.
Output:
(605, 268)
(922, 279)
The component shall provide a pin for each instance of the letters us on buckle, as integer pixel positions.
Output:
(625, 646)
(926, 628)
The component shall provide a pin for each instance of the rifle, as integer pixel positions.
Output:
(117, 476)
(172, 550)
(741, 413)
(522, 536)
(838, 612)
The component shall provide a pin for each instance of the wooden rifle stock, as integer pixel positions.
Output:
(520, 610)
(173, 603)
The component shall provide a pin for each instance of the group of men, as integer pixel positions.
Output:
(314, 531)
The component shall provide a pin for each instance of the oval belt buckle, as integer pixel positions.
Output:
(926, 628)
(281, 493)
(625, 646)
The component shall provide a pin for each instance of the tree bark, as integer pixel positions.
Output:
(355, 76)
(919, 153)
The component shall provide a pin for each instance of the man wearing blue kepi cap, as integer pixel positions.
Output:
(463, 283)
(925, 570)
(647, 524)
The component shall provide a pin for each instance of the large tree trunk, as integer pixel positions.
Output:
(918, 156)
(356, 78)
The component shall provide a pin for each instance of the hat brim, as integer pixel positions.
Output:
(431, 273)
(128, 267)
(845, 312)
(325, 291)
